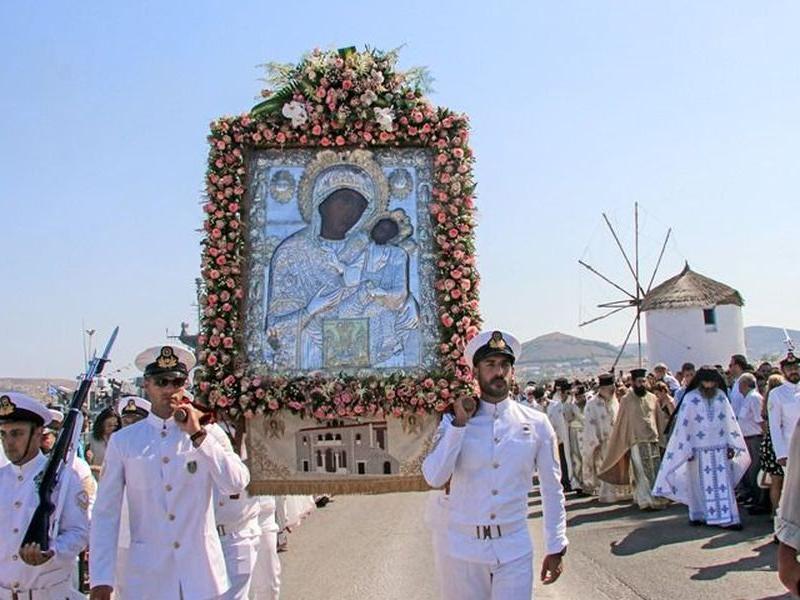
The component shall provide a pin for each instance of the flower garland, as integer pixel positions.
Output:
(333, 99)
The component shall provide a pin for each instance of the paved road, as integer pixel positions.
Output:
(376, 547)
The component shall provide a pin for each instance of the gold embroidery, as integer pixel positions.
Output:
(6, 406)
(497, 342)
(167, 359)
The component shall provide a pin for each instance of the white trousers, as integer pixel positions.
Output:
(476, 581)
(240, 561)
(266, 582)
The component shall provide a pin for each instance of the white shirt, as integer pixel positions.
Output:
(736, 397)
(18, 501)
(237, 515)
(749, 415)
(169, 485)
(672, 383)
(490, 463)
(783, 406)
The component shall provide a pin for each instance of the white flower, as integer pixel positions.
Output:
(384, 117)
(368, 97)
(296, 112)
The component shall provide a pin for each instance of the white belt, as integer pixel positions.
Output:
(489, 532)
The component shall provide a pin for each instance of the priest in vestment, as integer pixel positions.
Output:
(634, 448)
(599, 416)
(706, 455)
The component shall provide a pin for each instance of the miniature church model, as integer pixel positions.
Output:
(692, 318)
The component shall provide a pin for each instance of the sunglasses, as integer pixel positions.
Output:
(166, 381)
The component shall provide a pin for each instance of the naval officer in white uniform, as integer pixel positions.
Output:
(29, 572)
(169, 470)
(490, 455)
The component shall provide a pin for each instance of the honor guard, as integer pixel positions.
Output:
(168, 469)
(266, 581)
(131, 409)
(238, 528)
(490, 452)
(28, 572)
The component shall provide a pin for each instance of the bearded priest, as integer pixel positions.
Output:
(634, 448)
(706, 455)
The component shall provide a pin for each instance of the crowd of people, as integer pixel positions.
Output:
(614, 433)
(158, 493)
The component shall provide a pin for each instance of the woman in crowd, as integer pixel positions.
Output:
(769, 462)
(106, 423)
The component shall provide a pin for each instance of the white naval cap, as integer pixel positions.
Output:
(132, 405)
(490, 343)
(56, 420)
(16, 406)
(166, 359)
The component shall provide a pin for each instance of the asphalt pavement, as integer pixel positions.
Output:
(377, 547)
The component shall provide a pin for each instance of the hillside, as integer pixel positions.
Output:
(562, 348)
(767, 342)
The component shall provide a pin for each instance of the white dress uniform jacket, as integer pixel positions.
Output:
(491, 461)
(239, 532)
(783, 406)
(175, 550)
(18, 501)
(266, 581)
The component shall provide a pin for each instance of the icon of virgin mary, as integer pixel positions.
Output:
(327, 289)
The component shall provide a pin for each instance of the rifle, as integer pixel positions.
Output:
(39, 528)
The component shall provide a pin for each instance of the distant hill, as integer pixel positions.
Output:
(767, 342)
(562, 348)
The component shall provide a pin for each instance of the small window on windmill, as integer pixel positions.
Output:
(710, 319)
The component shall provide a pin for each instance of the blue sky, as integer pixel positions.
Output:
(689, 108)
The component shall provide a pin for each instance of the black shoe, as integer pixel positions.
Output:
(696, 523)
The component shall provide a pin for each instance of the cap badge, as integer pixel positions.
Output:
(6, 406)
(497, 342)
(130, 406)
(191, 466)
(167, 358)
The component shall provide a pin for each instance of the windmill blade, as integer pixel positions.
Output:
(606, 279)
(622, 250)
(605, 316)
(617, 304)
(625, 343)
(658, 262)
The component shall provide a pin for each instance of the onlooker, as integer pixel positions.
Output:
(688, 371)
(736, 368)
(106, 423)
(750, 422)
(769, 462)
(661, 373)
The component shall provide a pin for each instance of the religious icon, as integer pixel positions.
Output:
(343, 285)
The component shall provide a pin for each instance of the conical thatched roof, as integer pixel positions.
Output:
(689, 289)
